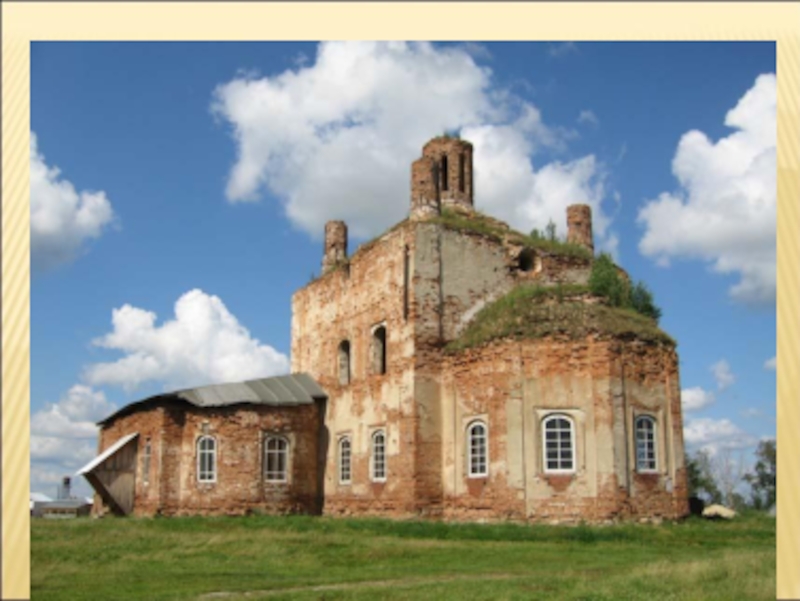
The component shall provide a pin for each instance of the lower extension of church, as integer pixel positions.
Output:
(452, 368)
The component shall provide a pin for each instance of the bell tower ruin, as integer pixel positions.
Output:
(335, 250)
(442, 177)
(579, 226)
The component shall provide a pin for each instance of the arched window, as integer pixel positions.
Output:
(345, 451)
(206, 459)
(276, 459)
(645, 429)
(344, 362)
(379, 350)
(559, 444)
(477, 450)
(378, 456)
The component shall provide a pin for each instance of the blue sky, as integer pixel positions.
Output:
(195, 177)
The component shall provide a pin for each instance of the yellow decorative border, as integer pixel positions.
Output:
(24, 22)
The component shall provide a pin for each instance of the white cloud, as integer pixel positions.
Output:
(203, 344)
(722, 374)
(724, 211)
(62, 219)
(588, 116)
(336, 138)
(693, 399)
(714, 435)
(771, 364)
(64, 436)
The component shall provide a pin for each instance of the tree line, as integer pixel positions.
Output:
(722, 478)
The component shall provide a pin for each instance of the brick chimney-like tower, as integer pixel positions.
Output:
(335, 244)
(579, 226)
(442, 177)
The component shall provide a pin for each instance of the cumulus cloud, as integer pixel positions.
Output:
(724, 210)
(64, 435)
(62, 219)
(716, 434)
(771, 364)
(693, 399)
(335, 139)
(723, 374)
(203, 344)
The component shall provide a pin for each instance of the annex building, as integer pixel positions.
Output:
(451, 368)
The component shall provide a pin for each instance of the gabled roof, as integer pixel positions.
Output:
(293, 389)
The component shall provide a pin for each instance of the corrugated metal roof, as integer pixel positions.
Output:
(293, 389)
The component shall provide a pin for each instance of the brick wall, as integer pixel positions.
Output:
(240, 487)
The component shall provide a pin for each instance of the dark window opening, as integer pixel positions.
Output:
(344, 362)
(526, 260)
(461, 183)
(445, 173)
(379, 350)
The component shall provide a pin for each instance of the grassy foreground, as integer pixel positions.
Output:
(322, 558)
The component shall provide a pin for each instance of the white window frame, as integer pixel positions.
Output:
(572, 447)
(652, 443)
(341, 460)
(203, 477)
(471, 451)
(269, 475)
(374, 460)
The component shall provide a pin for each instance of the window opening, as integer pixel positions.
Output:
(379, 456)
(645, 444)
(559, 450)
(344, 460)
(277, 459)
(344, 362)
(477, 450)
(206, 459)
(379, 350)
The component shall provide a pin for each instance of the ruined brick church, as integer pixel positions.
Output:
(450, 368)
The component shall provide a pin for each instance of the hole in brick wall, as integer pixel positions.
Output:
(526, 260)
(445, 173)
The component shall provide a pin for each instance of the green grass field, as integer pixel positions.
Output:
(322, 558)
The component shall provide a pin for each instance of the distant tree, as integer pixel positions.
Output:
(763, 479)
(728, 473)
(536, 234)
(700, 477)
(550, 231)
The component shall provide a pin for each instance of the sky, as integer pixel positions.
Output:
(179, 193)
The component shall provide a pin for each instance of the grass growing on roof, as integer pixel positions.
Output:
(285, 557)
(478, 223)
(523, 313)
